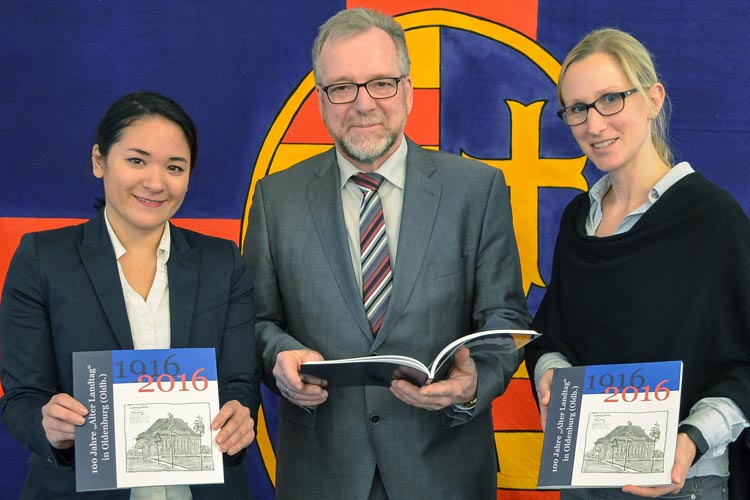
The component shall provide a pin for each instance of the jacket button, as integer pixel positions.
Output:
(374, 419)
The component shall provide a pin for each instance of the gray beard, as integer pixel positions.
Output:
(368, 157)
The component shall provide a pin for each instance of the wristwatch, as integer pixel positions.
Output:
(694, 433)
(469, 405)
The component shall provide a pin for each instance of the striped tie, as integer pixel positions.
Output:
(373, 243)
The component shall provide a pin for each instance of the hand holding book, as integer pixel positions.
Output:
(381, 370)
(458, 388)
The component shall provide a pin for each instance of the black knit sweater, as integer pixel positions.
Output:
(674, 287)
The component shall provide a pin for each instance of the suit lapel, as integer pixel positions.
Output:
(98, 258)
(421, 200)
(182, 269)
(324, 199)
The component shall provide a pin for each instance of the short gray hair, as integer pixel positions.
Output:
(349, 23)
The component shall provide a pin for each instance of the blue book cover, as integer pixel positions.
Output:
(149, 420)
(611, 425)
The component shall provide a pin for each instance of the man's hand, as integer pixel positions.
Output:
(543, 389)
(237, 427)
(59, 418)
(305, 393)
(460, 386)
(683, 458)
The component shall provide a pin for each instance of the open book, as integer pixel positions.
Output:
(382, 369)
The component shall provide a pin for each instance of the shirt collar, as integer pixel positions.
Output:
(393, 169)
(162, 254)
(670, 179)
(600, 188)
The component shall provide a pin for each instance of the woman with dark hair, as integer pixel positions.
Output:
(652, 264)
(126, 279)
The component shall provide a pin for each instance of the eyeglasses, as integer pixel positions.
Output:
(606, 105)
(379, 88)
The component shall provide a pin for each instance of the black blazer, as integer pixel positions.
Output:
(63, 294)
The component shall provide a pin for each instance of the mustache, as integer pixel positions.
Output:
(365, 121)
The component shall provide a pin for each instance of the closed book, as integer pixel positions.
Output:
(611, 425)
(149, 418)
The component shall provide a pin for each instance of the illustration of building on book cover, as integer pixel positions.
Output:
(149, 420)
(611, 425)
(160, 437)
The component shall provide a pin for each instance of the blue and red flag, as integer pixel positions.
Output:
(484, 76)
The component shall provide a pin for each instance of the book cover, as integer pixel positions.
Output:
(149, 420)
(382, 369)
(611, 425)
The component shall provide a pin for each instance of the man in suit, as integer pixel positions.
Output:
(451, 267)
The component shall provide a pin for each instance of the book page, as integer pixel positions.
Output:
(487, 341)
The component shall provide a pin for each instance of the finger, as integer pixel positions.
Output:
(544, 386)
(236, 424)
(72, 412)
(52, 424)
(650, 492)
(463, 360)
(56, 413)
(59, 433)
(450, 391)
(58, 436)
(67, 401)
(303, 391)
(225, 414)
(286, 369)
(544, 398)
(412, 395)
(684, 456)
(283, 388)
(287, 382)
(240, 438)
(230, 434)
(241, 444)
(305, 398)
(310, 380)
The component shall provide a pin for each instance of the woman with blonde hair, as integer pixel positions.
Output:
(652, 264)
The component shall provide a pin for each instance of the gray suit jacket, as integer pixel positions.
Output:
(457, 271)
(63, 294)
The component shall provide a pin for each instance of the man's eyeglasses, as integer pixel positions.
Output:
(379, 88)
(606, 105)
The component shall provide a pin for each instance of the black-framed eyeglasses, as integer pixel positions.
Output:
(346, 92)
(607, 105)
